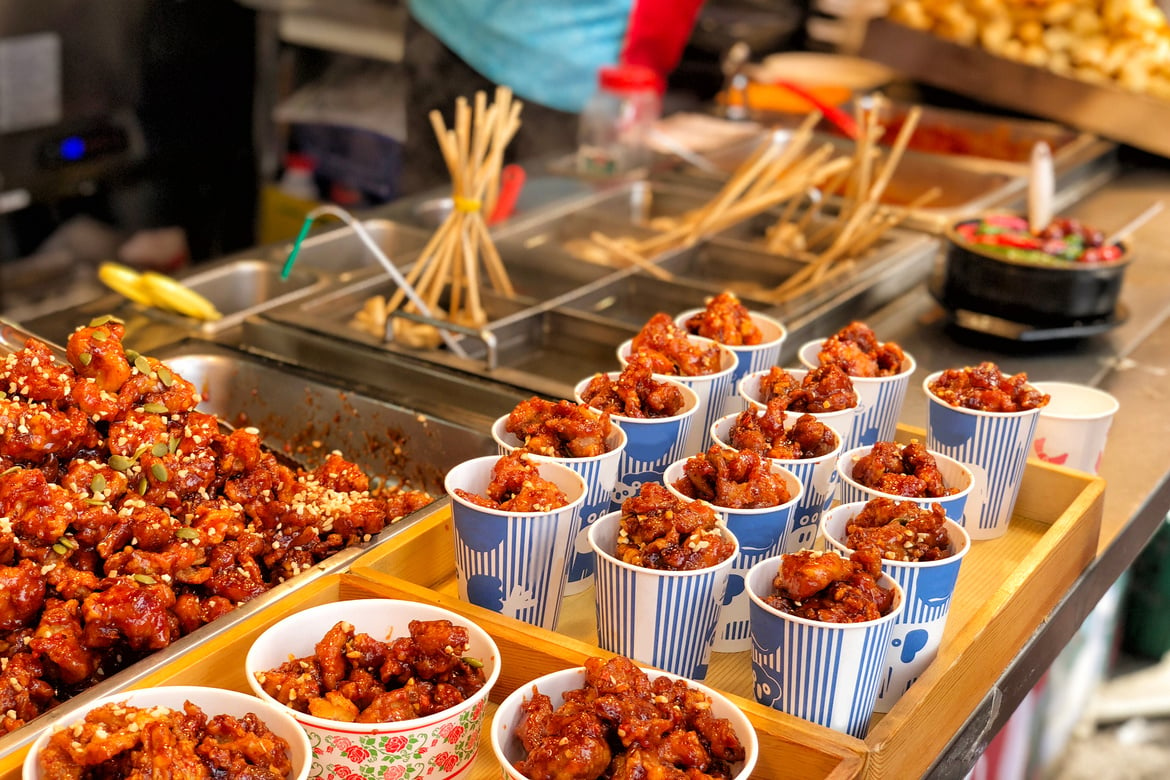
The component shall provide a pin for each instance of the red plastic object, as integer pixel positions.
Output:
(841, 119)
(511, 182)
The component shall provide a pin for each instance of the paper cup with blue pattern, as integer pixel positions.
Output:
(514, 563)
(954, 474)
(711, 389)
(749, 390)
(600, 475)
(652, 443)
(827, 673)
(927, 587)
(818, 481)
(760, 533)
(879, 399)
(665, 619)
(993, 445)
(752, 357)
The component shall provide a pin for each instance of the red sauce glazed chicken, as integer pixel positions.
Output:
(119, 740)
(128, 518)
(560, 429)
(621, 724)
(986, 388)
(357, 678)
(734, 479)
(659, 530)
(635, 393)
(726, 320)
(516, 486)
(909, 471)
(823, 389)
(669, 349)
(900, 531)
(823, 586)
(857, 351)
(764, 433)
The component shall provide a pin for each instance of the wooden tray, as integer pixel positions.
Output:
(787, 750)
(1006, 588)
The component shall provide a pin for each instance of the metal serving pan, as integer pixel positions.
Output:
(306, 415)
(341, 254)
(239, 286)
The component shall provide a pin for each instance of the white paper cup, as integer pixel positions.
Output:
(840, 420)
(712, 390)
(879, 399)
(443, 744)
(508, 748)
(761, 534)
(600, 474)
(752, 357)
(993, 445)
(954, 474)
(827, 673)
(213, 701)
(514, 563)
(1074, 426)
(665, 619)
(818, 480)
(652, 443)
(928, 587)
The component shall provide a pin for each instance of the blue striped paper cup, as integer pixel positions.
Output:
(760, 533)
(600, 475)
(711, 389)
(994, 446)
(652, 443)
(752, 357)
(928, 587)
(954, 474)
(506, 721)
(818, 480)
(662, 618)
(827, 673)
(879, 399)
(749, 390)
(514, 563)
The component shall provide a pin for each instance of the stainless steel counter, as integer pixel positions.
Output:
(1133, 363)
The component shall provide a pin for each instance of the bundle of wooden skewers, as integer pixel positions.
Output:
(782, 174)
(451, 261)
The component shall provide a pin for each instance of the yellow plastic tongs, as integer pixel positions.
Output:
(151, 288)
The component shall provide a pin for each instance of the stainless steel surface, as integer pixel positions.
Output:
(338, 252)
(247, 286)
(1105, 109)
(1132, 362)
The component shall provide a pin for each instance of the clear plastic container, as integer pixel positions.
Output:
(616, 122)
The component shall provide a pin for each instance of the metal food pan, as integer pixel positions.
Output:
(341, 253)
(305, 415)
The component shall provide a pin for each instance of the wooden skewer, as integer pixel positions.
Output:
(629, 255)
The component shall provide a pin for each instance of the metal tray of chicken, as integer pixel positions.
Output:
(305, 415)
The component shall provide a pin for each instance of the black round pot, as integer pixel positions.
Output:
(978, 280)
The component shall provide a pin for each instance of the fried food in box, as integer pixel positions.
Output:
(909, 471)
(669, 349)
(857, 351)
(725, 319)
(826, 388)
(765, 433)
(516, 486)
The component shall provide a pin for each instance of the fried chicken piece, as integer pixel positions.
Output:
(909, 471)
(824, 586)
(560, 429)
(736, 479)
(985, 387)
(856, 350)
(900, 530)
(661, 531)
(726, 320)
(95, 352)
(635, 393)
(517, 486)
(670, 350)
